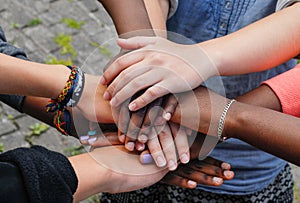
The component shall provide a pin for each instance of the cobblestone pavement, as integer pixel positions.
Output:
(76, 31)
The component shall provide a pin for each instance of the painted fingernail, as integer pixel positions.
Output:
(132, 106)
(147, 159)
(160, 161)
(129, 146)
(92, 132)
(228, 174)
(113, 102)
(92, 140)
(191, 184)
(184, 158)
(84, 138)
(122, 138)
(172, 165)
(225, 165)
(102, 80)
(143, 138)
(167, 116)
(217, 180)
(140, 146)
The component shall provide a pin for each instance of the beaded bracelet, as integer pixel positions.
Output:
(74, 86)
(222, 120)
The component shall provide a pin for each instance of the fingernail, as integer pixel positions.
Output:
(143, 138)
(92, 132)
(167, 116)
(140, 146)
(102, 80)
(132, 106)
(191, 184)
(84, 138)
(172, 165)
(129, 146)
(225, 165)
(122, 138)
(106, 96)
(147, 159)
(160, 161)
(92, 140)
(217, 180)
(184, 158)
(228, 174)
(113, 102)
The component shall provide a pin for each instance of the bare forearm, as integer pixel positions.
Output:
(29, 78)
(260, 46)
(131, 21)
(271, 131)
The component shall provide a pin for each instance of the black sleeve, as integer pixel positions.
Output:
(47, 176)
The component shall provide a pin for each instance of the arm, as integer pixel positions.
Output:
(257, 47)
(253, 119)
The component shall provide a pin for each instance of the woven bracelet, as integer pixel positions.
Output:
(78, 88)
(222, 120)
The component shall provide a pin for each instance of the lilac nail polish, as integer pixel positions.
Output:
(147, 159)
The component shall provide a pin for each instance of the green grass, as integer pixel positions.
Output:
(104, 50)
(34, 22)
(1, 147)
(72, 23)
(35, 130)
(72, 151)
(54, 60)
(65, 43)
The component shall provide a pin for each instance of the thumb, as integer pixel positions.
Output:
(136, 42)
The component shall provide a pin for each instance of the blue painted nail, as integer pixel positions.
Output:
(92, 132)
(147, 159)
(92, 140)
(84, 137)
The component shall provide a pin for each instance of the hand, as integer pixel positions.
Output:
(209, 171)
(161, 66)
(91, 103)
(124, 172)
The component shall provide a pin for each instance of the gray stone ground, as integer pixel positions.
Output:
(33, 26)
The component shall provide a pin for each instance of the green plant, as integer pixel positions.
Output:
(34, 22)
(35, 130)
(54, 60)
(64, 42)
(72, 151)
(94, 199)
(1, 147)
(15, 25)
(104, 50)
(72, 23)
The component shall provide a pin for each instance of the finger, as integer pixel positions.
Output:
(123, 120)
(155, 149)
(106, 139)
(173, 179)
(150, 95)
(134, 127)
(168, 146)
(199, 176)
(170, 106)
(209, 169)
(119, 65)
(125, 77)
(153, 111)
(135, 42)
(146, 157)
(181, 142)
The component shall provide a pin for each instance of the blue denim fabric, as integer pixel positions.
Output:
(14, 101)
(201, 20)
